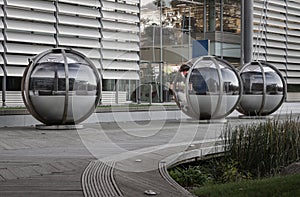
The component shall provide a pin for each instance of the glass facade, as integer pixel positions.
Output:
(183, 25)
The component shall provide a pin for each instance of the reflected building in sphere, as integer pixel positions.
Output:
(61, 87)
(264, 89)
(207, 88)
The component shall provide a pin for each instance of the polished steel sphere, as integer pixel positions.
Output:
(207, 88)
(61, 87)
(264, 89)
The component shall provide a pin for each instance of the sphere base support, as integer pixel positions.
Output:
(210, 121)
(59, 127)
(255, 117)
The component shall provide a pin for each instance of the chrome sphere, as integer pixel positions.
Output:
(264, 89)
(207, 88)
(61, 87)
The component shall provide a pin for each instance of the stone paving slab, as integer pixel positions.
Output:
(51, 163)
(55, 185)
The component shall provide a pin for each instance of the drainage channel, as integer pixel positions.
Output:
(98, 180)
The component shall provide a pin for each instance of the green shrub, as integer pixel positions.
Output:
(190, 176)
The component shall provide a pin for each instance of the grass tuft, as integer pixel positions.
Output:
(263, 149)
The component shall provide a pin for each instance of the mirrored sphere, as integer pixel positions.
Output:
(61, 87)
(264, 89)
(207, 88)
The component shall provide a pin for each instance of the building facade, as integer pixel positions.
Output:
(266, 30)
(106, 31)
(276, 39)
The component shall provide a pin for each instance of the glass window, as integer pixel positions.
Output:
(108, 85)
(232, 16)
(12, 83)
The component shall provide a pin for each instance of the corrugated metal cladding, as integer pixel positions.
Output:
(105, 31)
(277, 35)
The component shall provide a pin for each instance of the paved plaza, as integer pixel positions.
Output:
(123, 158)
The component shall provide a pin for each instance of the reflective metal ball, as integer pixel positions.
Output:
(264, 89)
(61, 87)
(207, 88)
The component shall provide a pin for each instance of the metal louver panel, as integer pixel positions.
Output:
(293, 39)
(120, 65)
(121, 55)
(120, 6)
(293, 66)
(293, 32)
(83, 2)
(293, 46)
(293, 11)
(25, 49)
(277, 2)
(275, 30)
(293, 60)
(120, 75)
(120, 16)
(78, 31)
(30, 26)
(276, 58)
(117, 26)
(124, 36)
(30, 15)
(126, 46)
(78, 10)
(30, 38)
(293, 53)
(21, 60)
(76, 21)
(33, 4)
(13, 71)
(78, 42)
(277, 37)
(276, 8)
(90, 53)
(273, 51)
